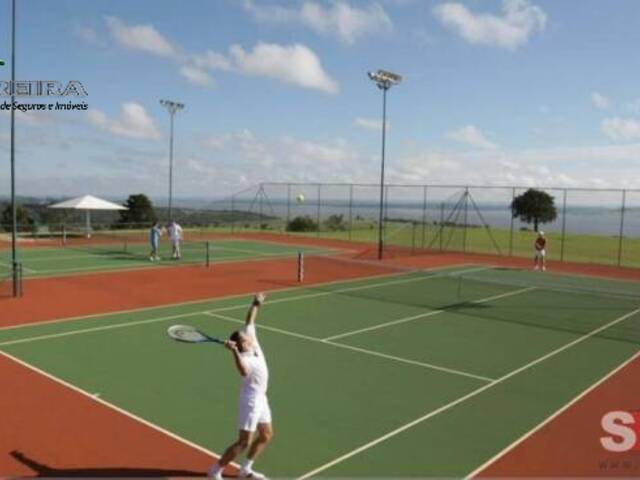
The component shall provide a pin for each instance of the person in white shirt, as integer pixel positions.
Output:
(175, 236)
(254, 411)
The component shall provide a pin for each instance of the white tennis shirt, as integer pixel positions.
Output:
(256, 382)
(175, 232)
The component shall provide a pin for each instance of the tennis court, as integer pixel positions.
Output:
(122, 252)
(405, 373)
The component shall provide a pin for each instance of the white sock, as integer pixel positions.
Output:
(248, 464)
(215, 469)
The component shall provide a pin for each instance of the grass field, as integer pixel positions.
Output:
(411, 374)
(582, 248)
(118, 255)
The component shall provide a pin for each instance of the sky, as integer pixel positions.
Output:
(494, 92)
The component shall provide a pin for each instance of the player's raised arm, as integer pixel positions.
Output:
(257, 302)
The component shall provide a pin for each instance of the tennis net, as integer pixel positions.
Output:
(131, 245)
(568, 303)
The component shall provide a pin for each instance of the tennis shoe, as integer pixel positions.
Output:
(244, 473)
(217, 475)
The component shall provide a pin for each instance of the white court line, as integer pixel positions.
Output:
(221, 309)
(430, 366)
(423, 315)
(101, 401)
(219, 299)
(462, 399)
(552, 417)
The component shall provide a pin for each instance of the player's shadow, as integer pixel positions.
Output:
(43, 470)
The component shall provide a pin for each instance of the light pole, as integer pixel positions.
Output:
(172, 108)
(14, 209)
(384, 80)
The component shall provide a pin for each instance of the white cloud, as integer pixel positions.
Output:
(519, 20)
(621, 129)
(134, 122)
(470, 135)
(340, 19)
(293, 64)
(212, 60)
(634, 106)
(600, 101)
(196, 75)
(140, 37)
(370, 123)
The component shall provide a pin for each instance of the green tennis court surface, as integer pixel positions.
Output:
(116, 253)
(411, 374)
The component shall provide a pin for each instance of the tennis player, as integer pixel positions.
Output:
(254, 412)
(154, 239)
(175, 236)
(539, 258)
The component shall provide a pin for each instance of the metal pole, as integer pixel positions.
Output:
(318, 214)
(624, 202)
(441, 223)
(286, 228)
(384, 128)
(564, 223)
(171, 168)
(466, 217)
(513, 197)
(350, 210)
(14, 208)
(233, 213)
(424, 214)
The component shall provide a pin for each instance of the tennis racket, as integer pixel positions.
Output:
(185, 333)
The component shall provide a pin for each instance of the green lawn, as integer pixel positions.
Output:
(419, 374)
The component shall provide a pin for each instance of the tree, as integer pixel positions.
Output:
(24, 220)
(335, 223)
(140, 213)
(534, 206)
(302, 224)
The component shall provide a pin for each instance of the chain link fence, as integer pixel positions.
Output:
(591, 226)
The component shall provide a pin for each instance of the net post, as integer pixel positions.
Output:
(207, 254)
(126, 245)
(300, 267)
(64, 235)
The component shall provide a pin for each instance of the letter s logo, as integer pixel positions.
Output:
(623, 437)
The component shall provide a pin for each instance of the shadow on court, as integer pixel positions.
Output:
(44, 470)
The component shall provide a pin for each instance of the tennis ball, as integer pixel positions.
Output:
(300, 198)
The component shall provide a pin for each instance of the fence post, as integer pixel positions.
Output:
(350, 209)
(424, 214)
(622, 211)
(233, 213)
(318, 214)
(286, 228)
(466, 217)
(441, 223)
(260, 204)
(564, 223)
(513, 197)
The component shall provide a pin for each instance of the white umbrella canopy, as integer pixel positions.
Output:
(87, 203)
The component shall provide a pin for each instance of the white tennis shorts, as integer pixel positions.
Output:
(253, 411)
(540, 253)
